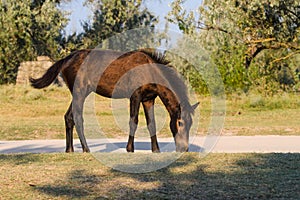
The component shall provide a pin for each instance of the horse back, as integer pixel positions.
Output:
(109, 73)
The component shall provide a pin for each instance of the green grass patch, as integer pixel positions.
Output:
(258, 115)
(217, 176)
(27, 113)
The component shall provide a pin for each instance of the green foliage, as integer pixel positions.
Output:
(109, 19)
(28, 29)
(32, 28)
(249, 41)
(113, 17)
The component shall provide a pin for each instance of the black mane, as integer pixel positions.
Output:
(158, 57)
(173, 77)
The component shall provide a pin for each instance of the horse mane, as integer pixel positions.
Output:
(157, 56)
(171, 74)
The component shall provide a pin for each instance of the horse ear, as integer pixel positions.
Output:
(195, 105)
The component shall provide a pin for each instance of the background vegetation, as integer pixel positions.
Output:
(28, 29)
(33, 28)
(255, 44)
(27, 113)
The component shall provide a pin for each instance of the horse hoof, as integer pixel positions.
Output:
(156, 151)
(87, 150)
(130, 150)
(69, 150)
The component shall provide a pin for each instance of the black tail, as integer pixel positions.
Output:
(49, 76)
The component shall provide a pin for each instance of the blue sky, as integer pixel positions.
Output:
(159, 8)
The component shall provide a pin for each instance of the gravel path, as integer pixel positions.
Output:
(223, 144)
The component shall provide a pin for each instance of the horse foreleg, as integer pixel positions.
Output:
(130, 144)
(78, 118)
(149, 114)
(133, 122)
(69, 123)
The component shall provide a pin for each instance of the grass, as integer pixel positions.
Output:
(257, 115)
(27, 113)
(217, 176)
(32, 114)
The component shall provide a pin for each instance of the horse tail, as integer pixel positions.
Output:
(50, 74)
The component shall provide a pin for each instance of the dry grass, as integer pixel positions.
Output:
(217, 176)
(27, 113)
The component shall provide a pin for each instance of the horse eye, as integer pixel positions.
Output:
(180, 123)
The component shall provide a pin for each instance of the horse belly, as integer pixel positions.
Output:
(107, 88)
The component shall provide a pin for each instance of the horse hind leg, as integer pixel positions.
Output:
(149, 114)
(77, 110)
(69, 123)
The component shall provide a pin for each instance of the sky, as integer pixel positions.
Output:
(160, 8)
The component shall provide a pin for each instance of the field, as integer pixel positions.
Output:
(27, 113)
(217, 176)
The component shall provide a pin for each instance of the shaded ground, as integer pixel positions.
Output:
(217, 176)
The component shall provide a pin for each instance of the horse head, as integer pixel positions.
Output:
(180, 126)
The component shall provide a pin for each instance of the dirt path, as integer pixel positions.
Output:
(224, 144)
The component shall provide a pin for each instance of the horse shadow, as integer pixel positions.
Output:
(107, 147)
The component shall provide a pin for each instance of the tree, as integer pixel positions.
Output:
(238, 32)
(112, 17)
(29, 28)
(273, 24)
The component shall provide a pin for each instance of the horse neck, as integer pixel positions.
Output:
(170, 101)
